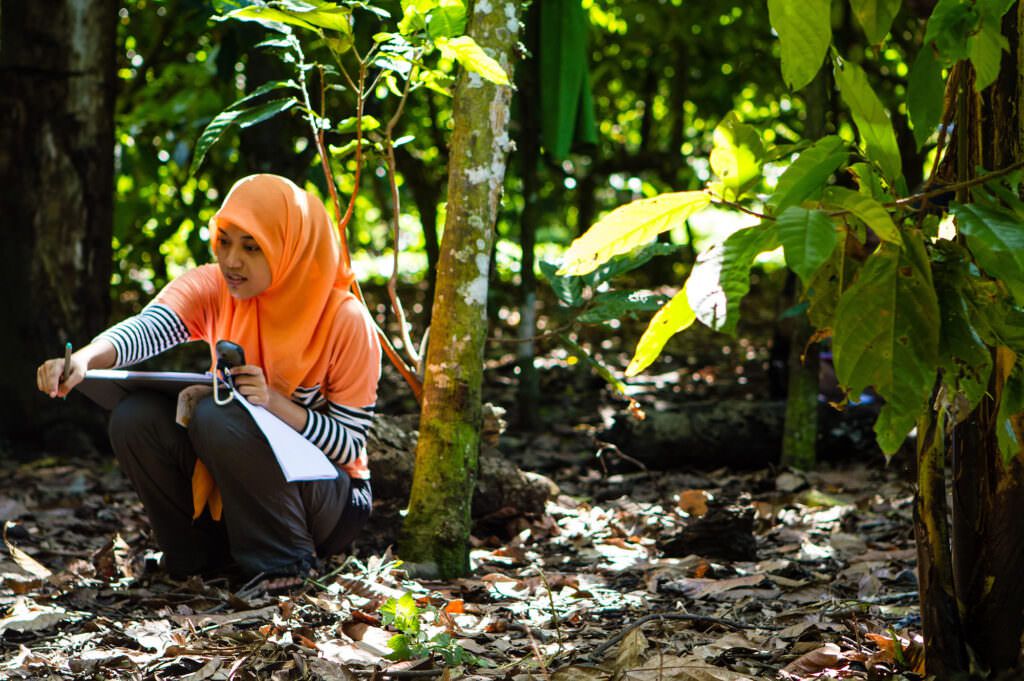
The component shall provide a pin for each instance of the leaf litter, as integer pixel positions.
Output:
(621, 578)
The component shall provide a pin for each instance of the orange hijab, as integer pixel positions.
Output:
(287, 328)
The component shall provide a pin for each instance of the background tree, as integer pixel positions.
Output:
(436, 529)
(57, 170)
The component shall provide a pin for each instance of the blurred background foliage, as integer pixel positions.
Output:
(663, 74)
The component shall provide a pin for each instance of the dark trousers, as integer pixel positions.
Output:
(268, 524)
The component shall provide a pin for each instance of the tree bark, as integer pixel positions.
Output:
(57, 91)
(988, 495)
(436, 529)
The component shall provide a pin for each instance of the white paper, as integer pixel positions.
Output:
(299, 458)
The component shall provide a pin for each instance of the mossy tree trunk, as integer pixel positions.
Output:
(436, 529)
(57, 86)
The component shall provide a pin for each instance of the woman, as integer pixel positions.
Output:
(280, 290)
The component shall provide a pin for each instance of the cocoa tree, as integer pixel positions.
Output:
(920, 293)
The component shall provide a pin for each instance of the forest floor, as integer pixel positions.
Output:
(811, 576)
(629, 573)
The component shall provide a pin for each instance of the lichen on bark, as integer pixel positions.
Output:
(436, 528)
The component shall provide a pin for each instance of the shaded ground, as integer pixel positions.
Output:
(816, 576)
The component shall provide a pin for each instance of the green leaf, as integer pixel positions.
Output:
(925, 92)
(269, 17)
(865, 208)
(347, 125)
(629, 226)
(808, 238)
(951, 22)
(871, 119)
(808, 174)
(402, 648)
(805, 31)
(243, 118)
(630, 261)
(965, 359)
(721, 277)
(447, 21)
(823, 291)
(875, 17)
(887, 336)
(568, 290)
(472, 57)
(985, 49)
(402, 613)
(996, 239)
(737, 155)
(675, 316)
(618, 304)
(264, 89)
(1011, 404)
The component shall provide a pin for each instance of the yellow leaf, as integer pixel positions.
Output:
(629, 226)
(467, 52)
(675, 316)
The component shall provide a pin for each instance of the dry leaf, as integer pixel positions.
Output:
(828, 656)
(911, 650)
(693, 502)
(631, 650)
(25, 561)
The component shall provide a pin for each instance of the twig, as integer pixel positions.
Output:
(554, 611)
(741, 208)
(400, 673)
(601, 649)
(396, 303)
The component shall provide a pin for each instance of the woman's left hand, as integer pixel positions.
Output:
(252, 383)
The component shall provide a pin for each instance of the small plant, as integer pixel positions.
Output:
(411, 642)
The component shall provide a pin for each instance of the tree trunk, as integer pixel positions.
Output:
(436, 529)
(988, 495)
(57, 169)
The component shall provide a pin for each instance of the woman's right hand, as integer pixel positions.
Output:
(49, 373)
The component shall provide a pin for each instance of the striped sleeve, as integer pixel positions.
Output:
(155, 329)
(340, 432)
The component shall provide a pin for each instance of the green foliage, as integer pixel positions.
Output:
(875, 17)
(867, 210)
(917, 317)
(721, 277)
(871, 118)
(412, 641)
(808, 238)
(886, 335)
(630, 226)
(925, 90)
(807, 175)
(805, 30)
(736, 157)
(676, 316)
(996, 239)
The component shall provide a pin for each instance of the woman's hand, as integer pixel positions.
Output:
(49, 373)
(250, 381)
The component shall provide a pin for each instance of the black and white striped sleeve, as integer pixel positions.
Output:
(155, 329)
(340, 432)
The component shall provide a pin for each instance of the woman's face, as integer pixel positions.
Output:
(242, 263)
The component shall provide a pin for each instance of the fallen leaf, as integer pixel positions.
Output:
(25, 561)
(828, 656)
(693, 502)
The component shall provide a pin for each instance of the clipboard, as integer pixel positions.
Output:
(107, 387)
(299, 458)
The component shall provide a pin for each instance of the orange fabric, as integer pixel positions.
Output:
(306, 328)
